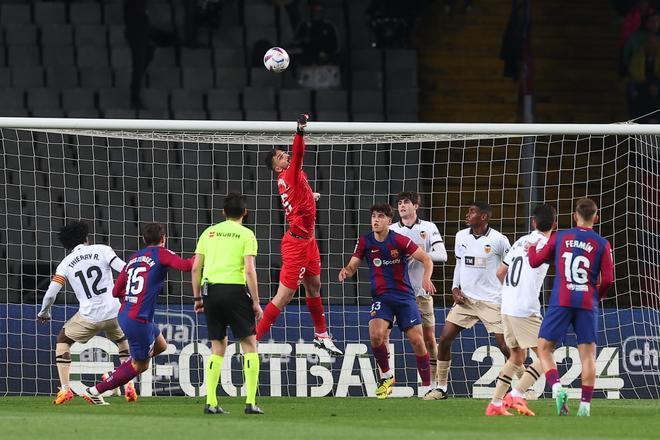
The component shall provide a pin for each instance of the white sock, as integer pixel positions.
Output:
(387, 374)
(496, 402)
(516, 393)
(555, 389)
(442, 387)
(585, 405)
(433, 385)
(93, 391)
(322, 335)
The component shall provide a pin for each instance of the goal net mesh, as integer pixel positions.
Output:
(117, 181)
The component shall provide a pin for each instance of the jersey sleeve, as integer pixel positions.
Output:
(545, 254)
(251, 246)
(406, 245)
(119, 289)
(113, 260)
(506, 260)
(360, 248)
(505, 246)
(296, 158)
(457, 247)
(170, 259)
(606, 271)
(60, 274)
(434, 237)
(201, 243)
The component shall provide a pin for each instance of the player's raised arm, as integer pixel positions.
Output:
(606, 271)
(55, 286)
(170, 259)
(545, 255)
(298, 152)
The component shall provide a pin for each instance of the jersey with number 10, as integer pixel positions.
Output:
(296, 194)
(141, 281)
(580, 256)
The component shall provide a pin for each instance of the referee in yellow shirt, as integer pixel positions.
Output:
(223, 265)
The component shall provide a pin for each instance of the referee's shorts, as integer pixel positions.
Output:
(229, 305)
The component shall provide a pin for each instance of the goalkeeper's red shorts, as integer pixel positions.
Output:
(300, 259)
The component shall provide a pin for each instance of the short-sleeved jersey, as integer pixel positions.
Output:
(477, 260)
(522, 285)
(580, 256)
(425, 235)
(296, 194)
(87, 268)
(387, 260)
(224, 246)
(141, 281)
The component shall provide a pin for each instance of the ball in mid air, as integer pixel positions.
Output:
(276, 59)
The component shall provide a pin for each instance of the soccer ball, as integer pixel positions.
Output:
(276, 59)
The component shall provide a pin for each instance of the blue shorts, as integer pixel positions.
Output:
(401, 306)
(557, 319)
(141, 336)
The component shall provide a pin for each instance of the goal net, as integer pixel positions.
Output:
(117, 175)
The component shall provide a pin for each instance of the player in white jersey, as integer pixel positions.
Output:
(88, 269)
(521, 315)
(425, 235)
(476, 289)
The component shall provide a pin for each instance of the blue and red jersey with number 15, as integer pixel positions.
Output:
(141, 281)
(388, 262)
(580, 256)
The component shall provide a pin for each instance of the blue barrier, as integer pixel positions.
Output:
(627, 359)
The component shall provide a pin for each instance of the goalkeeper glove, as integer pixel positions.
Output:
(302, 123)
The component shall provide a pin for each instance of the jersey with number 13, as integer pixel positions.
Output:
(141, 281)
(580, 256)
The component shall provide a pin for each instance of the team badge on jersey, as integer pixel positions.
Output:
(487, 249)
(378, 262)
(394, 253)
(423, 234)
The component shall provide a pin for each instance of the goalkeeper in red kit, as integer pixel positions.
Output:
(301, 260)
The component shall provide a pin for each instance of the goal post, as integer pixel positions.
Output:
(118, 174)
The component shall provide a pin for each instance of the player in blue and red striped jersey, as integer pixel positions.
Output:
(580, 256)
(138, 287)
(393, 297)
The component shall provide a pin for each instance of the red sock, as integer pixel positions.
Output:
(315, 306)
(552, 377)
(382, 357)
(424, 369)
(271, 312)
(587, 393)
(119, 377)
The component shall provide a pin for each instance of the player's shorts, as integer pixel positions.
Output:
(521, 332)
(425, 304)
(81, 329)
(468, 314)
(399, 306)
(558, 318)
(141, 336)
(229, 305)
(300, 258)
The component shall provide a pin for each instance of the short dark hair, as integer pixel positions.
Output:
(268, 158)
(544, 215)
(384, 208)
(586, 208)
(73, 234)
(235, 204)
(413, 196)
(483, 207)
(152, 233)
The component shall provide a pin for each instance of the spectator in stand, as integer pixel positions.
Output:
(644, 73)
(315, 39)
(448, 6)
(137, 35)
(634, 18)
(392, 22)
(638, 39)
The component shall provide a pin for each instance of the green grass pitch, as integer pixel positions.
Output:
(164, 418)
